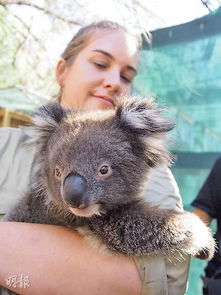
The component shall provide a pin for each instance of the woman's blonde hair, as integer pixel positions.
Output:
(80, 40)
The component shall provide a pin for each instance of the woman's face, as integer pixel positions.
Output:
(101, 71)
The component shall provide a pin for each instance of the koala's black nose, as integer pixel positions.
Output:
(74, 189)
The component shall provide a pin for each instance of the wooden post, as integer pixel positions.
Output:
(6, 118)
(13, 118)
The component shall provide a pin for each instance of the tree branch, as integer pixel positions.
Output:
(29, 32)
(205, 3)
(45, 10)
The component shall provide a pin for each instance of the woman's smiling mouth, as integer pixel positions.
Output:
(106, 99)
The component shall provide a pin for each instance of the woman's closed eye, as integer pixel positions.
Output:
(104, 65)
(100, 65)
(126, 78)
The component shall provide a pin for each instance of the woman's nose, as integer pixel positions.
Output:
(112, 82)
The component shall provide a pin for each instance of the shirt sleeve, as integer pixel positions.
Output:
(161, 275)
(209, 197)
(16, 161)
(161, 189)
(177, 269)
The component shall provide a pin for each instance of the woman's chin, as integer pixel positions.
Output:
(96, 103)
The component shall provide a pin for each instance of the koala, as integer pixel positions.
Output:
(92, 167)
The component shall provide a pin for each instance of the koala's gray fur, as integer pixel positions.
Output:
(125, 143)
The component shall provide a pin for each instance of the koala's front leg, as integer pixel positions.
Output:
(154, 232)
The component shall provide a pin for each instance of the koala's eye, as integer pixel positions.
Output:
(57, 172)
(104, 171)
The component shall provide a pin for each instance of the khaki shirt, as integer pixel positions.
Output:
(160, 275)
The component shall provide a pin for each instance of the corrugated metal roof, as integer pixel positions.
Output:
(20, 99)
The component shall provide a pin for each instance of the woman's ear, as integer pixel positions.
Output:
(60, 72)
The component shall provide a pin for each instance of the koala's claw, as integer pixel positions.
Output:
(205, 254)
(201, 244)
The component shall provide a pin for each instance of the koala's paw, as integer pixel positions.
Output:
(201, 243)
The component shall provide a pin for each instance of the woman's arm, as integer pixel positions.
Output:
(161, 189)
(56, 260)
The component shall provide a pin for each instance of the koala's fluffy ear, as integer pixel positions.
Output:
(44, 122)
(143, 118)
